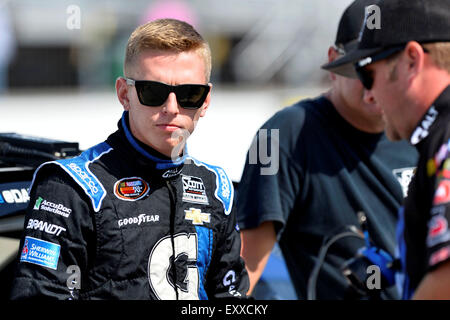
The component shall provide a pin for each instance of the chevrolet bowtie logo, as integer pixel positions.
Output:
(197, 216)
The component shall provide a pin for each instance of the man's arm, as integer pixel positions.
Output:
(257, 245)
(435, 285)
(54, 241)
(227, 276)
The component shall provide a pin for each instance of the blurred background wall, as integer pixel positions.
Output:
(59, 60)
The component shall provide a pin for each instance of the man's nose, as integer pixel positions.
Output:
(171, 104)
(368, 97)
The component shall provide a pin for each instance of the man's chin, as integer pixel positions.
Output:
(175, 148)
(392, 134)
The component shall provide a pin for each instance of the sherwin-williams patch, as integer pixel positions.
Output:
(131, 189)
(40, 252)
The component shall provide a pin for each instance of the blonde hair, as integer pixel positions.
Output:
(168, 35)
(438, 51)
(440, 54)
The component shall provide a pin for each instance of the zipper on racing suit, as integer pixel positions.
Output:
(173, 210)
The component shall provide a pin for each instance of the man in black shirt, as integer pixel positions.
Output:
(405, 66)
(334, 161)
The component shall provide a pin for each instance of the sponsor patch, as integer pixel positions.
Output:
(40, 252)
(57, 208)
(404, 176)
(442, 194)
(142, 218)
(85, 177)
(439, 256)
(172, 172)
(197, 216)
(437, 230)
(436, 161)
(131, 189)
(194, 190)
(45, 226)
(421, 132)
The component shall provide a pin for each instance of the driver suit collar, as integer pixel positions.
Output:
(150, 155)
(430, 121)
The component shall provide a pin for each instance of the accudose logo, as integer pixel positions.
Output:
(42, 204)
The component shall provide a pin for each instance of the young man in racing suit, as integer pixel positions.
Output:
(135, 217)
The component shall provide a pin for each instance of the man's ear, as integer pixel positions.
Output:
(414, 58)
(332, 55)
(207, 101)
(122, 93)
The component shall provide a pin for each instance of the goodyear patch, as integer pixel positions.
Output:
(40, 252)
(131, 189)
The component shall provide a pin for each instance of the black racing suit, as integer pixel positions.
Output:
(423, 234)
(120, 221)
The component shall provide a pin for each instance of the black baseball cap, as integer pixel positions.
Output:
(347, 36)
(401, 21)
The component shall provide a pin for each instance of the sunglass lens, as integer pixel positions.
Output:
(366, 77)
(191, 96)
(152, 93)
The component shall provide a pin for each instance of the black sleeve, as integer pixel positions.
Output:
(228, 276)
(57, 229)
(268, 197)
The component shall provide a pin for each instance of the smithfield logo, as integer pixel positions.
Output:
(197, 216)
(194, 190)
(131, 189)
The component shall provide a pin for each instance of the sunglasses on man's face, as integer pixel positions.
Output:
(154, 94)
(365, 75)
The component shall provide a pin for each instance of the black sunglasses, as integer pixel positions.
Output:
(366, 76)
(154, 93)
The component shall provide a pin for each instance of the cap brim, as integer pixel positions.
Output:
(344, 65)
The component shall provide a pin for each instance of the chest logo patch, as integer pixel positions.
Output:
(197, 216)
(194, 190)
(131, 189)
